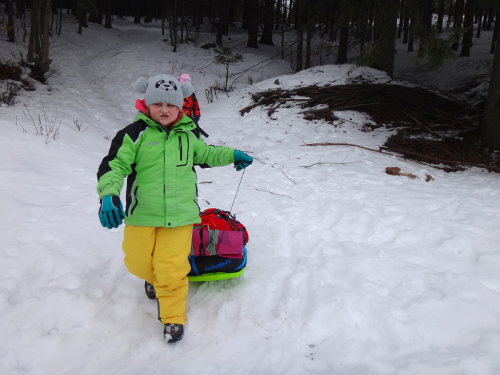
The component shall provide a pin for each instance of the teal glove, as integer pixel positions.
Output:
(241, 160)
(111, 211)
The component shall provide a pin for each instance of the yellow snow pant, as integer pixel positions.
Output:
(160, 256)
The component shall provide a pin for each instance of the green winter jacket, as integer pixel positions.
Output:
(161, 184)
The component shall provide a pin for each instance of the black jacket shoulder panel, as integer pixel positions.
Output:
(133, 130)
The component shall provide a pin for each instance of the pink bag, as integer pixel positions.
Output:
(225, 243)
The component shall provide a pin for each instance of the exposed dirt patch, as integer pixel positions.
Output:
(429, 126)
(11, 82)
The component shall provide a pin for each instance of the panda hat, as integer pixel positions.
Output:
(163, 88)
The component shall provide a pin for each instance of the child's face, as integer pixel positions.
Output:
(164, 113)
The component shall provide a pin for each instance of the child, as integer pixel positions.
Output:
(191, 107)
(157, 153)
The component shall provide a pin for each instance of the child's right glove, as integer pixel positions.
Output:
(241, 160)
(111, 211)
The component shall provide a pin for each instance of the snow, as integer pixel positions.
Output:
(351, 271)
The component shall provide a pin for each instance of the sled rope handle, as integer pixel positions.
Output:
(235, 195)
(241, 179)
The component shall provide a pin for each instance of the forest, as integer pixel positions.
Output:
(372, 210)
(364, 32)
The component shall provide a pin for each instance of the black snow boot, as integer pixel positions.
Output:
(150, 290)
(173, 332)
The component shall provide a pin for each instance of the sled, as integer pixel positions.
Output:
(225, 268)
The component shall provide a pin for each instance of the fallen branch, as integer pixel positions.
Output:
(441, 161)
(312, 165)
(369, 149)
(346, 144)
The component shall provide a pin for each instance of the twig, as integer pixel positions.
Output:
(288, 177)
(24, 130)
(36, 129)
(273, 193)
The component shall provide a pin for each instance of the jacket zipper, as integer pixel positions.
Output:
(180, 148)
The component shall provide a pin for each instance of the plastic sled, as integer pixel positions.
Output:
(215, 268)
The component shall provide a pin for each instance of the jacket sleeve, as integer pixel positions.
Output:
(211, 155)
(117, 164)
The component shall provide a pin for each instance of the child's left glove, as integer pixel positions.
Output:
(111, 211)
(241, 160)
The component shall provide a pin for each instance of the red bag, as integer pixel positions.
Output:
(219, 233)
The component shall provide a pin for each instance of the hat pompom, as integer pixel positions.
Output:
(187, 89)
(185, 78)
(141, 84)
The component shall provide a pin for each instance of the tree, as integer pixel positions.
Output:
(490, 126)
(468, 23)
(108, 11)
(457, 20)
(38, 46)
(222, 10)
(440, 19)
(299, 4)
(9, 7)
(252, 20)
(495, 34)
(343, 45)
(380, 55)
(268, 13)
(224, 56)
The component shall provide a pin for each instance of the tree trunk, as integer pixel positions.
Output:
(300, 34)
(35, 32)
(490, 18)
(308, 46)
(406, 29)
(494, 40)
(428, 6)
(277, 15)
(457, 20)
(401, 19)
(174, 26)
(410, 37)
(253, 22)
(109, 10)
(385, 29)
(222, 11)
(137, 6)
(450, 14)
(20, 7)
(468, 25)
(343, 44)
(38, 48)
(479, 24)
(267, 33)
(440, 16)
(11, 33)
(490, 126)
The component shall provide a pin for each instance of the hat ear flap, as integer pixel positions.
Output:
(187, 89)
(141, 84)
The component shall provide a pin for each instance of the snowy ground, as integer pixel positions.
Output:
(351, 271)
